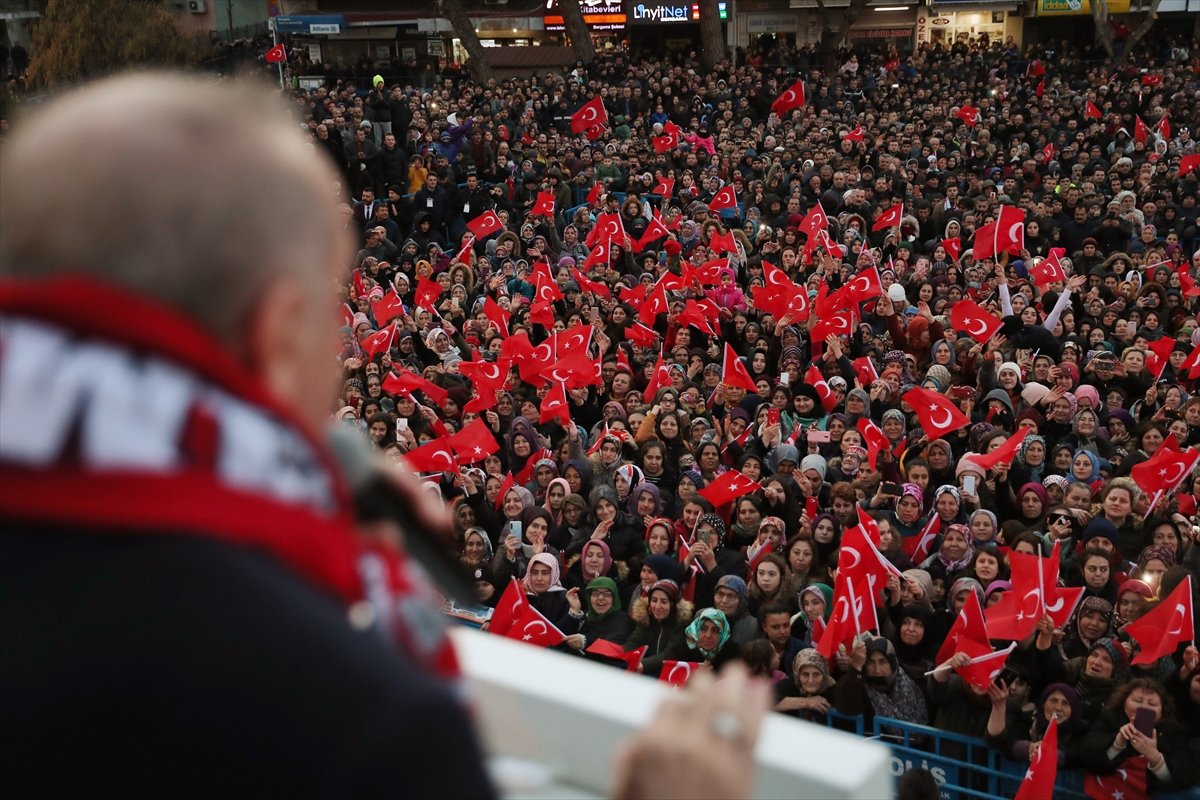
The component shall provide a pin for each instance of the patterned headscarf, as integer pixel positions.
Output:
(692, 632)
(555, 572)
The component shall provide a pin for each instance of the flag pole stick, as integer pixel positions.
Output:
(275, 41)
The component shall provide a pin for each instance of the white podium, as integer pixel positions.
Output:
(551, 729)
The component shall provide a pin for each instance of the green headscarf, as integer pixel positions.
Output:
(825, 591)
(602, 583)
(692, 633)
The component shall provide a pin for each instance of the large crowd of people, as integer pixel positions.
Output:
(600, 513)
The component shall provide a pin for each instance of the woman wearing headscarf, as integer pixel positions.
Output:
(914, 639)
(515, 552)
(1030, 462)
(477, 557)
(876, 685)
(707, 640)
(714, 557)
(1016, 733)
(611, 525)
(545, 592)
(809, 695)
(594, 561)
(659, 622)
(910, 505)
(816, 604)
(605, 618)
(954, 551)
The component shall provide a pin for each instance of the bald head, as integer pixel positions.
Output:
(203, 196)
(195, 193)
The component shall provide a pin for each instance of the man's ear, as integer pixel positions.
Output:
(271, 345)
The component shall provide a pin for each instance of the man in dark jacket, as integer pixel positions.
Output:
(193, 622)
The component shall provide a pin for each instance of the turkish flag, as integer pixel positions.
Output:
(1004, 453)
(839, 324)
(474, 442)
(725, 198)
(1169, 624)
(1140, 131)
(591, 114)
(654, 231)
(734, 372)
(1188, 163)
(1043, 769)
(864, 369)
(517, 348)
(866, 285)
(813, 377)
(1164, 127)
(388, 307)
(937, 413)
(607, 649)
(727, 487)
(723, 243)
(598, 288)
(1041, 88)
(660, 378)
(889, 218)
(709, 273)
(665, 187)
(974, 320)
(1006, 234)
(433, 456)
(1091, 112)
(508, 483)
(920, 546)
(608, 226)
(1191, 364)
(953, 248)
(544, 205)
(593, 196)
(276, 55)
(546, 290)
(1152, 80)
(601, 255)
(640, 335)
(677, 673)
(873, 439)
(815, 220)
(655, 304)
(464, 253)
(1127, 783)
(496, 315)
(856, 135)
(665, 143)
(1034, 591)
(792, 98)
(485, 224)
(1050, 269)
(968, 634)
(511, 603)
(378, 342)
(697, 316)
(575, 370)
(969, 115)
(860, 559)
(1048, 152)
(532, 627)
(526, 474)
(554, 405)
(485, 375)
(426, 294)
(1165, 470)
(853, 613)
(405, 383)
(985, 668)
(1157, 353)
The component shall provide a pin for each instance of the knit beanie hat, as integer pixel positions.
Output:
(734, 584)
(1100, 528)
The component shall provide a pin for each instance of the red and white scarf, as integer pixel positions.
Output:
(121, 418)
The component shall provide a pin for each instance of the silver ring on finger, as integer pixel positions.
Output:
(726, 725)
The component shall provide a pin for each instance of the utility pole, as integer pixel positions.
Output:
(229, 15)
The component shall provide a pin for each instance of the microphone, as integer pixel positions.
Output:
(378, 497)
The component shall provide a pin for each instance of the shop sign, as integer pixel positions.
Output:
(880, 33)
(662, 11)
(598, 15)
(940, 22)
(1050, 8)
(770, 23)
(310, 24)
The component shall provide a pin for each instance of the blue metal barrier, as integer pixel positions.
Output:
(963, 766)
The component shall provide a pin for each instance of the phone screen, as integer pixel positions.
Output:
(969, 484)
(773, 416)
(1144, 719)
(810, 507)
(891, 489)
(514, 528)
